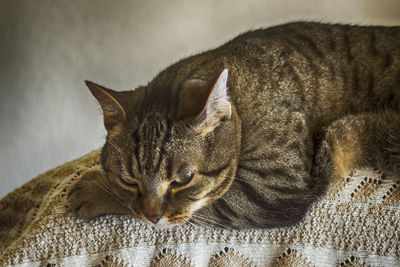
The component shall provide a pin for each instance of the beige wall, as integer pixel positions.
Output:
(49, 47)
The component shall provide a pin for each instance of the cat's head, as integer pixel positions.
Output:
(172, 146)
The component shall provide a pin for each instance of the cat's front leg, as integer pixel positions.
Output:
(93, 196)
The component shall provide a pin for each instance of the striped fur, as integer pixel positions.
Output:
(307, 103)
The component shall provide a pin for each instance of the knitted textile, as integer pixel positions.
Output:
(356, 224)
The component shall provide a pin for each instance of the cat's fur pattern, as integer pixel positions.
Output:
(307, 102)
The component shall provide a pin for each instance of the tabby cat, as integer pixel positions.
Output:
(249, 134)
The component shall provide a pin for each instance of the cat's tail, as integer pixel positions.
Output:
(360, 140)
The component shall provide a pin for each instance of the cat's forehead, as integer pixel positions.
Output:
(155, 141)
(154, 123)
(156, 132)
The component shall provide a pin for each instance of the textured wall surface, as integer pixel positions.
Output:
(48, 48)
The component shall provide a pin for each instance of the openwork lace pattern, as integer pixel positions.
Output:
(356, 224)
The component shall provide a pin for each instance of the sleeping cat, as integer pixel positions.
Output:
(249, 134)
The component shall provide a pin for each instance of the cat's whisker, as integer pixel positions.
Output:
(115, 192)
(205, 218)
(211, 222)
(116, 148)
(200, 223)
(111, 191)
(102, 187)
(121, 200)
(238, 179)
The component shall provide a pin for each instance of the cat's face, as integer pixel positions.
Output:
(164, 167)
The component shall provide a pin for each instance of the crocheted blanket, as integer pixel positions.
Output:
(356, 224)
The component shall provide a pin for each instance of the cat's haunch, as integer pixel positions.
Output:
(249, 135)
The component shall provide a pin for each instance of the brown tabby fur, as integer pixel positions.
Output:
(305, 103)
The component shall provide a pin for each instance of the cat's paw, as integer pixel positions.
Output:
(93, 196)
(83, 197)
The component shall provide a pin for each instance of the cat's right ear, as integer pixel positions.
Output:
(113, 111)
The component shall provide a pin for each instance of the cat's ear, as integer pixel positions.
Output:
(216, 108)
(113, 111)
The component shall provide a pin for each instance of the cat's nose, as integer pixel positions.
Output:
(154, 218)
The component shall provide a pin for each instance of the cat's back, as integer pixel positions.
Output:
(321, 36)
(319, 45)
(305, 65)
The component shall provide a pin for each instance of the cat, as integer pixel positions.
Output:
(250, 134)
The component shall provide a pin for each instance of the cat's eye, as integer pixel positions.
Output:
(128, 182)
(183, 179)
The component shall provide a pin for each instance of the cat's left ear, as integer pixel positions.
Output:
(113, 111)
(217, 108)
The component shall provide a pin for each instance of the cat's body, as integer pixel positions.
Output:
(303, 103)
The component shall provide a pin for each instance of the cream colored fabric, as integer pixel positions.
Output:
(356, 224)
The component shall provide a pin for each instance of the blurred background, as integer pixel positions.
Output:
(48, 48)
